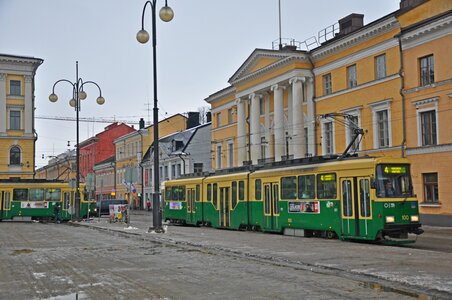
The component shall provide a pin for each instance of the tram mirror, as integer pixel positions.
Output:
(373, 183)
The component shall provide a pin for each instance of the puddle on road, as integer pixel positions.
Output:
(379, 287)
(21, 251)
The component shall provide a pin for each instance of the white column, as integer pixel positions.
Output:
(267, 124)
(241, 132)
(255, 127)
(3, 116)
(311, 116)
(278, 121)
(290, 121)
(28, 112)
(298, 137)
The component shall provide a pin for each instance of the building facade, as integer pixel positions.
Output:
(17, 104)
(185, 152)
(130, 149)
(60, 167)
(390, 78)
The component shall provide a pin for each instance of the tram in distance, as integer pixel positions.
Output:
(25, 199)
(355, 198)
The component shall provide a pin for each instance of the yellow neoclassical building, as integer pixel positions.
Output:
(391, 77)
(17, 104)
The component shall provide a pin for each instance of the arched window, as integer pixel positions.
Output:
(14, 156)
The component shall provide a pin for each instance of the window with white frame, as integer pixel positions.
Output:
(381, 121)
(327, 137)
(218, 119)
(380, 66)
(430, 181)
(218, 156)
(327, 84)
(263, 148)
(262, 106)
(230, 118)
(351, 76)
(15, 88)
(352, 123)
(14, 156)
(383, 128)
(428, 126)
(427, 70)
(230, 154)
(14, 120)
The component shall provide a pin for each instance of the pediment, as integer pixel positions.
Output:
(261, 60)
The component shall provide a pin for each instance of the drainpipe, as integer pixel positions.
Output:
(402, 95)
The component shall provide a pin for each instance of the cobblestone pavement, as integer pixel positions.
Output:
(102, 260)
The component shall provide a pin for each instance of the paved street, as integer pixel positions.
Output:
(99, 260)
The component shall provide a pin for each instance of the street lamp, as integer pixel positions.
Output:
(78, 94)
(166, 15)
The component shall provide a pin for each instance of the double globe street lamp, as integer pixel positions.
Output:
(166, 14)
(78, 94)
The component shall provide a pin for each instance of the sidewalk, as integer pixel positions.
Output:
(425, 272)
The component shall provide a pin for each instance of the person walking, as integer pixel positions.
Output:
(56, 213)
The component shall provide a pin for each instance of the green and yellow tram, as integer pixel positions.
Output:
(365, 198)
(34, 199)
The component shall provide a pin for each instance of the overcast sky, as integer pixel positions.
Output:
(197, 52)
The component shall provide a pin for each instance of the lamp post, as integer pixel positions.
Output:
(166, 14)
(78, 94)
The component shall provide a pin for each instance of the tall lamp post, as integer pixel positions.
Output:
(78, 94)
(166, 15)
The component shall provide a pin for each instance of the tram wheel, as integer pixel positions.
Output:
(330, 234)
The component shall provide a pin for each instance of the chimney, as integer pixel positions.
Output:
(209, 117)
(193, 119)
(407, 4)
(141, 123)
(350, 23)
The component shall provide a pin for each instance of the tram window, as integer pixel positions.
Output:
(182, 193)
(215, 195)
(258, 189)
(306, 187)
(175, 192)
(289, 187)
(275, 199)
(53, 195)
(394, 181)
(36, 194)
(241, 190)
(326, 186)
(234, 194)
(347, 198)
(209, 192)
(197, 192)
(267, 197)
(364, 197)
(168, 193)
(20, 194)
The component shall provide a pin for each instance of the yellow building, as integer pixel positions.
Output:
(291, 103)
(17, 130)
(130, 150)
(426, 41)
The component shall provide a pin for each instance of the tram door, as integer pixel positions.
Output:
(356, 206)
(224, 206)
(191, 207)
(5, 203)
(271, 205)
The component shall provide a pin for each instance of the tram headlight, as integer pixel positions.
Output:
(390, 219)
(414, 218)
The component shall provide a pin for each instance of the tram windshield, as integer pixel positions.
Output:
(394, 181)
